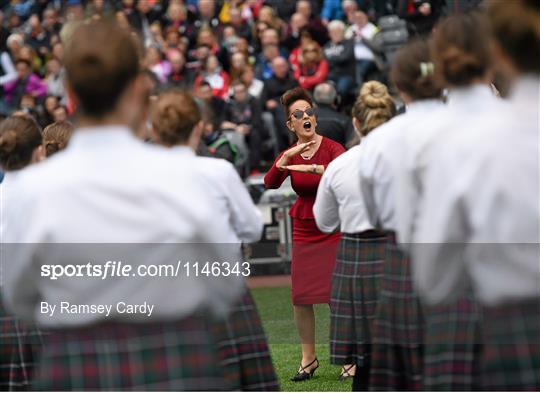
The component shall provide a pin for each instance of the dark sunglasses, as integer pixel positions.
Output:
(299, 114)
(309, 50)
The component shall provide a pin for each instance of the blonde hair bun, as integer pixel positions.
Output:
(374, 94)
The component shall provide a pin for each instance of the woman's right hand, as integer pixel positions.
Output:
(293, 151)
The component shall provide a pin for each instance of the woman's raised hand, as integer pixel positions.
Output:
(293, 151)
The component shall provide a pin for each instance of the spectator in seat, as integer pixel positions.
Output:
(215, 76)
(216, 105)
(180, 76)
(349, 8)
(294, 28)
(331, 10)
(26, 82)
(255, 86)
(243, 116)
(361, 31)
(330, 122)
(55, 78)
(312, 68)
(315, 25)
(273, 115)
(157, 64)
(242, 28)
(421, 15)
(264, 61)
(50, 103)
(340, 55)
(237, 62)
(60, 114)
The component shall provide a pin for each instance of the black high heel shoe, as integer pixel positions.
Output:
(303, 375)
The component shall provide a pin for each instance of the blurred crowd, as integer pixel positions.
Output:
(238, 56)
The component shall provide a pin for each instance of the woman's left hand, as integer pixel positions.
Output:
(305, 168)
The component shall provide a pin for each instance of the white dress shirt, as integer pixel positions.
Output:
(361, 50)
(381, 156)
(434, 123)
(10, 73)
(234, 214)
(339, 203)
(479, 219)
(109, 196)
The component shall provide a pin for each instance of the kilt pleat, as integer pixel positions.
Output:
(511, 353)
(453, 345)
(397, 360)
(20, 346)
(164, 356)
(243, 348)
(355, 287)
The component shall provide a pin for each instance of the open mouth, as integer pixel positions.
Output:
(307, 125)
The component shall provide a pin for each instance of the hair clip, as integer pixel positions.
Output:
(427, 69)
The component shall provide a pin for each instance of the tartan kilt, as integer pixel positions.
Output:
(243, 348)
(511, 354)
(453, 346)
(354, 296)
(20, 346)
(398, 330)
(164, 356)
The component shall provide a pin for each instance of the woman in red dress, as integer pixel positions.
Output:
(314, 252)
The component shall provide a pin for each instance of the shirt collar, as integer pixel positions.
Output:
(526, 89)
(470, 97)
(424, 105)
(101, 136)
(183, 149)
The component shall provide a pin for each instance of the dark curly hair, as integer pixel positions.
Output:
(291, 96)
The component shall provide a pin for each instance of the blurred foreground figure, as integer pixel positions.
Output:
(108, 199)
(462, 63)
(483, 230)
(20, 343)
(398, 338)
(244, 350)
(360, 257)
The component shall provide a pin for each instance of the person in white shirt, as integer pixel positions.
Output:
(463, 64)
(94, 231)
(399, 323)
(177, 125)
(339, 206)
(483, 228)
(20, 146)
(8, 74)
(361, 31)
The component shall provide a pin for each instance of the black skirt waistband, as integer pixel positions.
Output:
(369, 234)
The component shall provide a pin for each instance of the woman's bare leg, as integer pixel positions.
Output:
(304, 318)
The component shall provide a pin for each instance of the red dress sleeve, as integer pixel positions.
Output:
(336, 150)
(274, 178)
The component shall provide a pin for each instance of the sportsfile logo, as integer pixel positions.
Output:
(119, 269)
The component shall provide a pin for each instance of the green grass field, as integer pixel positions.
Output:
(275, 309)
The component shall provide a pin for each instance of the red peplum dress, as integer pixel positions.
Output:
(313, 252)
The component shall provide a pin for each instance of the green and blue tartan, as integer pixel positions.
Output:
(453, 346)
(167, 356)
(354, 296)
(511, 355)
(20, 346)
(242, 344)
(398, 331)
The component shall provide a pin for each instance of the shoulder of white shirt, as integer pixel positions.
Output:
(342, 161)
